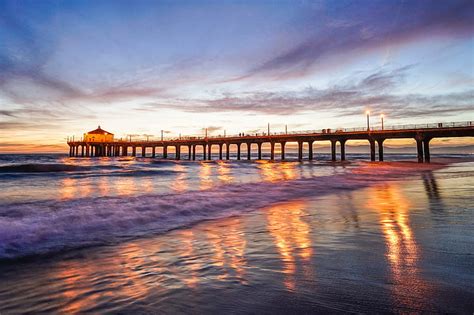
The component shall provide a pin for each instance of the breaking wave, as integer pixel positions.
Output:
(41, 168)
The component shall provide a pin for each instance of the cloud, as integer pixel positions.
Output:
(212, 129)
(8, 113)
(350, 97)
(364, 26)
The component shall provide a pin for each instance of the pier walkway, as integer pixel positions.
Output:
(422, 133)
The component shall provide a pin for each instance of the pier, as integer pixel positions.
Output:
(422, 133)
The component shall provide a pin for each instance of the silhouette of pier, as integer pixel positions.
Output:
(423, 134)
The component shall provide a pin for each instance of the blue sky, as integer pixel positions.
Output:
(137, 67)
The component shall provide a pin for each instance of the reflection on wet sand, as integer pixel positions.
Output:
(135, 269)
(402, 251)
(274, 172)
(228, 248)
(432, 191)
(128, 269)
(291, 236)
(70, 275)
(189, 270)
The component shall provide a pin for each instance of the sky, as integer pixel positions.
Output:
(139, 67)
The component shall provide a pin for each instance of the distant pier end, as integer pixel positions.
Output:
(99, 142)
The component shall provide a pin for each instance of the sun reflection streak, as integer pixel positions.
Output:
(86, 188)
(147, 185)
(68, 188)
(275, 172)
(402, 251)
(224, 172)
(291, 236)
(103, 186)
(179, 184)
(205, 172)
(126, 186)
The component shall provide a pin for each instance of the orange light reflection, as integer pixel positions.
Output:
(205, 175)
(291, 236)
(402, 251)
(274, 172)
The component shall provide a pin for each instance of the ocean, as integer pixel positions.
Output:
(147, 236)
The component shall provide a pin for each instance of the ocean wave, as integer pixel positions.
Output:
(42, 168)
(129, 173)
(28, 229)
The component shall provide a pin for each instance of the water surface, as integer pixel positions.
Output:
(142, 235)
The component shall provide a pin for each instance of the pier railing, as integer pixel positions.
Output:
(303, 132)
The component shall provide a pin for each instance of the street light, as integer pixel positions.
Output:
(381, 117)
(368, 119)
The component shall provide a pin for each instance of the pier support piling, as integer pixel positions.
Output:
(333, 150)
(300, 151)
(272, 151)
(380, 145)
(310, 150)
(419, 150)
(372, 150)
(178, 152)
(282, 150)
(343, 149)
(426, 150)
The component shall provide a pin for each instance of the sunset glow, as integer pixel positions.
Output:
(229, 67)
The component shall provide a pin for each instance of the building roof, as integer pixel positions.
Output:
(99, 131)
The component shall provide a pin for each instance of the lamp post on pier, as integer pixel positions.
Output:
(368, 119)
(381, 118)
